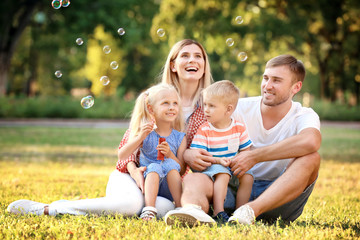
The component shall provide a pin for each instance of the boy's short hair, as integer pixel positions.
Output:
(226, 90)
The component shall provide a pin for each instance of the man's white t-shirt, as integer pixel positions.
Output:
(297, 119)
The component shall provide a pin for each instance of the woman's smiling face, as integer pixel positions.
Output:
(189, 63)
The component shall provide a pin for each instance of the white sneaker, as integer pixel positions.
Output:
(190, 215)
(24, 206)
(244, 215)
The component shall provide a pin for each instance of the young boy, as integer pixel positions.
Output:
(223, 137)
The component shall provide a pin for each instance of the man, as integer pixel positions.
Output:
(284, 158)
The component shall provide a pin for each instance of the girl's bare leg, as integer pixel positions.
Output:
(175, 186)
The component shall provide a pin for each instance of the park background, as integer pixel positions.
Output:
(52, 159)
(37, 40)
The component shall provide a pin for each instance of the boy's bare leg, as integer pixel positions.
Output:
(302, 172)
(244, 190)
(220, 190)
(175, 186)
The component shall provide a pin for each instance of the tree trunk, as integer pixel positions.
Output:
(4, 72)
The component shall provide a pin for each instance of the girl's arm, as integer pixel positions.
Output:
(180, 156)
(133, 144)
(164, 148)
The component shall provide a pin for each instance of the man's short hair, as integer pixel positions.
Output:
(296, 66)
(225, 89)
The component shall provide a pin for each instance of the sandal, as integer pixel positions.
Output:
(148, 213)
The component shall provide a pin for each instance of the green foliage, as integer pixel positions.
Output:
(324, 36)
(32, 166)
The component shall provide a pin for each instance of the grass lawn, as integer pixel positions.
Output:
(48, 164)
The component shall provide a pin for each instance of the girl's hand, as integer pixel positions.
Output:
(146, 129)
(224, 161)
(164, 148)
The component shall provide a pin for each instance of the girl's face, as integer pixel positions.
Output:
(189, 63)
(166, 106)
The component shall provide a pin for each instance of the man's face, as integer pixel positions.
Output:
(277, 86)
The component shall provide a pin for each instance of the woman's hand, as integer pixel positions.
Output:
(198, 159)
(137, 173)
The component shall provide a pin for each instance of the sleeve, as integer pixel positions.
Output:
(245, 140)
(200, 140)
(307, 118)
(121, 165)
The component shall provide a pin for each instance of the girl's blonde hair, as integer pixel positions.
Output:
(172, 78)
(141, 114)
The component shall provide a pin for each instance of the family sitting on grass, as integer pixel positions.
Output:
(214, 156)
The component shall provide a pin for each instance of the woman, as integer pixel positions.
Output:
(187, 68)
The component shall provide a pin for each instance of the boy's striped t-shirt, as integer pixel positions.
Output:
(222, 142)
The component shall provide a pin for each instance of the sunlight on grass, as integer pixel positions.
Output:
(47, 172)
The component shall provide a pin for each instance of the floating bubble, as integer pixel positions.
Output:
(242, 56)
(104, 80)
(58, 74)
(121, 31)
(56, 4)
(79, 41)
(65, 3)
(87, 102)
(239, 20)
(230, 42)
(106, 49)
(114, 65)
(160, 32)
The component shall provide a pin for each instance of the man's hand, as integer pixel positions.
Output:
(138, 175)
(242, 162)
(198, 159)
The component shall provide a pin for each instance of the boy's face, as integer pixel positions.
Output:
(216, 111)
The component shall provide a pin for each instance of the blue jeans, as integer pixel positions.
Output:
(288, 212)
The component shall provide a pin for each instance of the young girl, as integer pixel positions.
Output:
(158, 107)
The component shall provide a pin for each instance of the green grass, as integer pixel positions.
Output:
(48, 164)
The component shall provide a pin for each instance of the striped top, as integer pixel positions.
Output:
(222, 142)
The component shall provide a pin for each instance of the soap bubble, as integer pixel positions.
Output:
(87, 102)
(79, 41)
(242, 56)
(121, 31)
(65, 3)
(160, 32)
(104, 80)
(58, 74)
(114, 65)
(106, 49)
(56, 4)
(239, 20)
(230, 42)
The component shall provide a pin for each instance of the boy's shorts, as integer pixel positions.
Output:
(218, 168)
(288, 212)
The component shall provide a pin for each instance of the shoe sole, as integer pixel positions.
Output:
(185, 220)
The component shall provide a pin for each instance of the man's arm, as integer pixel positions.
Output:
(304, 143)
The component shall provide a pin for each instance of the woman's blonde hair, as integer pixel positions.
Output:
(141, 114)
(170, 77)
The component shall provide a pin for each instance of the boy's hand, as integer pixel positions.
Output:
(224, 161)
